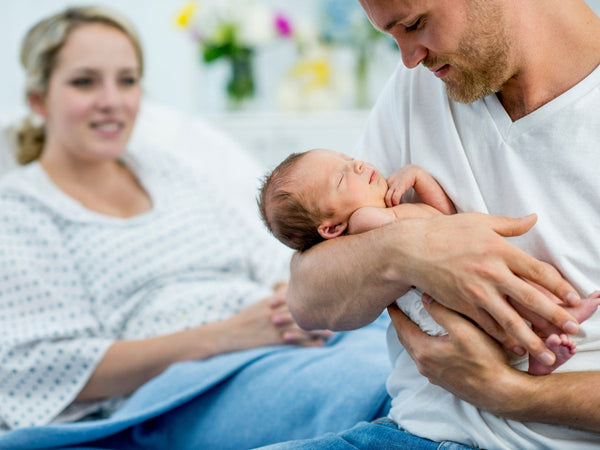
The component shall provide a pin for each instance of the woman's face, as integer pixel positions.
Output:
(93, 95)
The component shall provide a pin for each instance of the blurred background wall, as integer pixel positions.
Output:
(318, 65)
(176, 74)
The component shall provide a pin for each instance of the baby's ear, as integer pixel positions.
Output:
(328, 230)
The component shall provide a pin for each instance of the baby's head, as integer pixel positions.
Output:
(310, 196)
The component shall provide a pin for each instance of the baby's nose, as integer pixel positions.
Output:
(358, 166)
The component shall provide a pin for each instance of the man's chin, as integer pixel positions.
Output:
(466, 94)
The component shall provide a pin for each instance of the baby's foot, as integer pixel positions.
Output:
(586, 307)
(562, 346)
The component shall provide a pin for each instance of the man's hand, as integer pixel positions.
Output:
(472, 366)
(466, 264)
(462, 260)
(465, 362)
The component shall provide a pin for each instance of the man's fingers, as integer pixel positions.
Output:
(407, 331)
(523, 334)
(510, 226)
(493, 328)
(528, 297)
(546, 276)
(515, 326)
(442, 315)
(528, 267)
(539, 324)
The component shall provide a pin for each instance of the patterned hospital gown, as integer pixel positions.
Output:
(73, 281)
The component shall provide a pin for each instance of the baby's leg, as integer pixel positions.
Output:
(586, 307)
(562, 346)
(581, 312)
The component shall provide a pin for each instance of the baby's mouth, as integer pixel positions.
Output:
(373, 176)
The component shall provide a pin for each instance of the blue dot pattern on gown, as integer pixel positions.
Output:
(73, 281)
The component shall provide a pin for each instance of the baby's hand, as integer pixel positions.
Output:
(398, 183)
(425, 186)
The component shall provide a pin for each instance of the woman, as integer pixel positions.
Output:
(118, 264)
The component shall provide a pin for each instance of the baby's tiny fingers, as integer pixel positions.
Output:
(388, 198)
(396, 198)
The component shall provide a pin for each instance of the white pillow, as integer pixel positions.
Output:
(202, 144)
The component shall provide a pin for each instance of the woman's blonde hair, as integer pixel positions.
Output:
(39, 53)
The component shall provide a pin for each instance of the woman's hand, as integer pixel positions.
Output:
(129, 364)
(269, 322)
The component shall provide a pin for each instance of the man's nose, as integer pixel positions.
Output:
(411, 50)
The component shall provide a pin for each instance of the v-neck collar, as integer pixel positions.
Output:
(510, 130)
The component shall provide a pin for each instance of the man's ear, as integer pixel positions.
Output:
(329, 230)
(37, 103)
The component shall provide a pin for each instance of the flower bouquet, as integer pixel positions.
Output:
(233, 30)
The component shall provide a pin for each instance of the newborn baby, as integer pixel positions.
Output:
(322, 194)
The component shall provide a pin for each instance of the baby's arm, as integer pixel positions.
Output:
(424, 185)
(369, 218)
(434, 198)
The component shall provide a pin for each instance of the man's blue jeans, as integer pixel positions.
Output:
(380, 434)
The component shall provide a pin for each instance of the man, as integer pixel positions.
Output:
(512, 128)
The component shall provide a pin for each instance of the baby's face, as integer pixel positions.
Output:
(341, 184)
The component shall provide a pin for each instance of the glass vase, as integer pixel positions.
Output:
(240, 86)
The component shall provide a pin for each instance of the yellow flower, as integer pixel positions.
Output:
(316, 72)
(184, 17)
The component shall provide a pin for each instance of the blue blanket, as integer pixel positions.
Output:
(240, 400)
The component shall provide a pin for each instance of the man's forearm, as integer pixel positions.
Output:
(571, 399)
(347, 282)
(462, 260)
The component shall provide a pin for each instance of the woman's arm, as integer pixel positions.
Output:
(472, 366)
(462, 259)
(129, 364)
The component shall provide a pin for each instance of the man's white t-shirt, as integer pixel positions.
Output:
(547, 163)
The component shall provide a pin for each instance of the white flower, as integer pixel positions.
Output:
(257, 26)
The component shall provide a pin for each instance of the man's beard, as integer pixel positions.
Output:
(480, 65)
